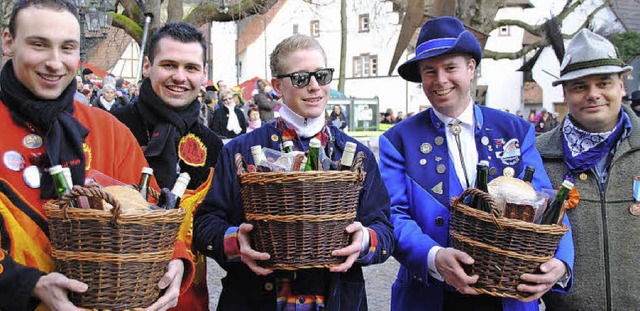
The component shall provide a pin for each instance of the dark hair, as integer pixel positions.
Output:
(179, 31)
(58, 5)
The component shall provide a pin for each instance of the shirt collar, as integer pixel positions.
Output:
(466, 117)
(304, 127)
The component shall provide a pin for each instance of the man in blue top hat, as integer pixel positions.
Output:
(430, 158)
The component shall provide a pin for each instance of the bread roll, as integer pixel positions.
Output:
(129, 199)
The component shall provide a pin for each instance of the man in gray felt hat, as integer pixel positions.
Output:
(597, 146)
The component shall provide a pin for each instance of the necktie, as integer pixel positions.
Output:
(455, 128)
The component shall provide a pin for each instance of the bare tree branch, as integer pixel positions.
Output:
(208, 12)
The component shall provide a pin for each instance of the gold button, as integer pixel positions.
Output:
(274, 137)
(268, 286)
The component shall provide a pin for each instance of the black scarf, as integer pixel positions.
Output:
(166, 127)
(63, 134)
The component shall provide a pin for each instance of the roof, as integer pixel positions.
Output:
(256, 26)
(628, 12)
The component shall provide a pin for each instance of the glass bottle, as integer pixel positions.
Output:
(482, 179)
(180, 187)
(347, 156)
(288, 146)
(60, 183)
(552, 214)
(314, 155)
(145, 179)
(66, 172)
(528, 174)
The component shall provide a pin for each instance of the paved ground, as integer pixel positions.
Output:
(378, 281)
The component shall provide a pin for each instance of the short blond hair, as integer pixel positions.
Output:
(289, 45)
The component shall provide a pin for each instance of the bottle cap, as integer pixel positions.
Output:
(256, 149)
(315, 143)
(567, 184)
(484, 163)
(184, 177)
(147, 170)
(56, 169)
(287, 143)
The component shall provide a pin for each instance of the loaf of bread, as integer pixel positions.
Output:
(515, 197)
(129, 198)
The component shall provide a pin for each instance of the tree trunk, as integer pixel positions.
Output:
(343, 44)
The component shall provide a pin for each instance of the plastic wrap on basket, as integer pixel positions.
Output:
(503, 249)
(299, 218)
(121, 256)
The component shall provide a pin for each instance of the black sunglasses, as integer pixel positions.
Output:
(301, 79)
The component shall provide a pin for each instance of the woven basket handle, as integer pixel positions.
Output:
(479, 193)
(93, 191)
(241, 164)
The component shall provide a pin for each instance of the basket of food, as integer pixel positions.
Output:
(502, 248)
(300, 217)
(121, 251)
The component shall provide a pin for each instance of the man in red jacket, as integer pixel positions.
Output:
(41, 126)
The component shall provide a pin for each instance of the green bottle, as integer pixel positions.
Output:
(288, 146)
(314, 155)
(60, 183)
(528, 174)
(482, 179)
(143, 185)
(552, 214)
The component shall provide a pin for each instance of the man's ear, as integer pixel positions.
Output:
(275, 83)
(7, 43)
(146, 67)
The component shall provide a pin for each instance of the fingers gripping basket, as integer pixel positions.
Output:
(503, 249)
(121, 256)
(299, 218)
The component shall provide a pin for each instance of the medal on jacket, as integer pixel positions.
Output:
(635, 207)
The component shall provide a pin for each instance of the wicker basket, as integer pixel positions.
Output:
(299, 218)
(503, 249)
(120, 256)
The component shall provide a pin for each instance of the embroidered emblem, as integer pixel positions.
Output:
(437, 189)
(87, 156)
(274, 138)
(192, 151)
(510, 154)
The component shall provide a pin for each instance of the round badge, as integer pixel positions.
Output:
(31, 176)
(484, 140)
(508, 171)
(583, 176)
(426, 148)
(441, 168)
(493, 171)
(423, 161)
(32, 141)
(635, 209)
(13, 160)
(439, 140)
(274, 137)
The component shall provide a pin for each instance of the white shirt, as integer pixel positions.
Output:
(470, 154)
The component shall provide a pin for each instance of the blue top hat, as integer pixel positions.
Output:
(440, 36)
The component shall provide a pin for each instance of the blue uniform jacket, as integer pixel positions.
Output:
(222, 208)
(410, 154)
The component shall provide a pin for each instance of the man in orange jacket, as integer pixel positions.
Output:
(42, 126)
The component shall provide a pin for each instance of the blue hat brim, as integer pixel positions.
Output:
(466, 43)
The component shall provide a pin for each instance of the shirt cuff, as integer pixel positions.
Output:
(231, 246)
(564, 281)
(366, 253)
(431, 261)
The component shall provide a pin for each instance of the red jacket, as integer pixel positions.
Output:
(109, 148)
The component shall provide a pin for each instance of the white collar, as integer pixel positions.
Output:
(465, 118)
(303, 127)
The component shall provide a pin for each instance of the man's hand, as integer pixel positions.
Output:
(172, 278)
(352, 252)
(248, 254)
(52, 290)
(552, 271)
(449, 264)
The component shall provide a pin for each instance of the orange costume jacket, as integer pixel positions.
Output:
(25, 252)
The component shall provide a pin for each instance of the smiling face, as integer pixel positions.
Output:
(310, 100)
(446, 81)
(177, 71)
(595, 101)
(45, 50)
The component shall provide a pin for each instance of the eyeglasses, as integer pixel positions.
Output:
(301, 79)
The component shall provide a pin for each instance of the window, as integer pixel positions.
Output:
(315, 28)
(365, 65)
(364, 22)
(295, 29)
(503, 31)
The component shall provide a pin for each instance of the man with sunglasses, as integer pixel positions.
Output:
(298, 65)
(430, 158)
